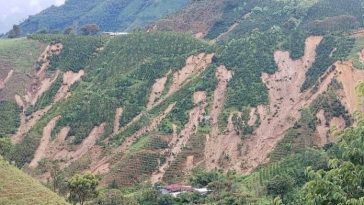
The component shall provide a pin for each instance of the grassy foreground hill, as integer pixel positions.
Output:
(17, 188)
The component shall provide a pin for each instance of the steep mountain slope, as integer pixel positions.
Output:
(110, 15)
(19, 188)
(261, 95)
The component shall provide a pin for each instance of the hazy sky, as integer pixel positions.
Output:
(15, 11)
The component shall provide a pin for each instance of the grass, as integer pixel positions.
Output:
(20, 53)
(17, 188)
(358, 46)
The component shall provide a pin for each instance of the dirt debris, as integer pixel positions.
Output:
(361, 56)
(350, 78)
(87, 143)
(28, 123)
(7, 78)
(223, 76)
(118, 113)
(252, 117)
(322, 129)
(195, 65)
(285, 99)
(39, 89)
(215, 143)
(157, 90)
(338, 122)
(179, 142)
(103, 164)
(44, 59)
(69, 78)
(152, 125)
(43, 146)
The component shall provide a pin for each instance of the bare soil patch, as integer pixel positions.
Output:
(7, 78)
(350, 78)
(118, 113)
(179, 142)
(285, 102)
(157, 90)
(42, 148)
(322, 129)
(69, 78)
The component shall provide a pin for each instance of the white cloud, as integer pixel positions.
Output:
(58, 2)
(14, 11)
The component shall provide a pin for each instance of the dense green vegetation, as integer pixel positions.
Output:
(111, 81)
(9, 118)
(110, 15)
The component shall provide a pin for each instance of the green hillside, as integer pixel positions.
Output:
(259, 107)
(17, 188)
(110, 15)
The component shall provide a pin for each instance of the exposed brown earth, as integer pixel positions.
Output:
(223, 76)
(157, 90)
(69, 78)
(28, 123)
(7, 78)
(103, 164)
(41, 150)
(217, 144)
(322, 130)
(39, 89)
(153, 124)
(81, 150)
(358, 33)
(338, 122)
(361, 56)
(178, 143)
(350, 78)
(87, 143)
(196, 18)
(285, 99)
(252, 117)
(195, 65)
(118, 113)
(54, 49)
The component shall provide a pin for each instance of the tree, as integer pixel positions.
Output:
(56, 174)
(15, 32)
(68, 31)
(6, 147)
(90, 29)
(113, 197)
(82, 187)
(279, 185)
(343, 182)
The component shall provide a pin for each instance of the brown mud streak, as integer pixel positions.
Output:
(103, 164)
(6, 80)
(321, 129)
(36, 90)
(157, 90)
(180, 141)
(42, 148)
(195, 65)
(118, 113)
(215, 143)
(350, 78)
(285, 99)
(69, 78)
